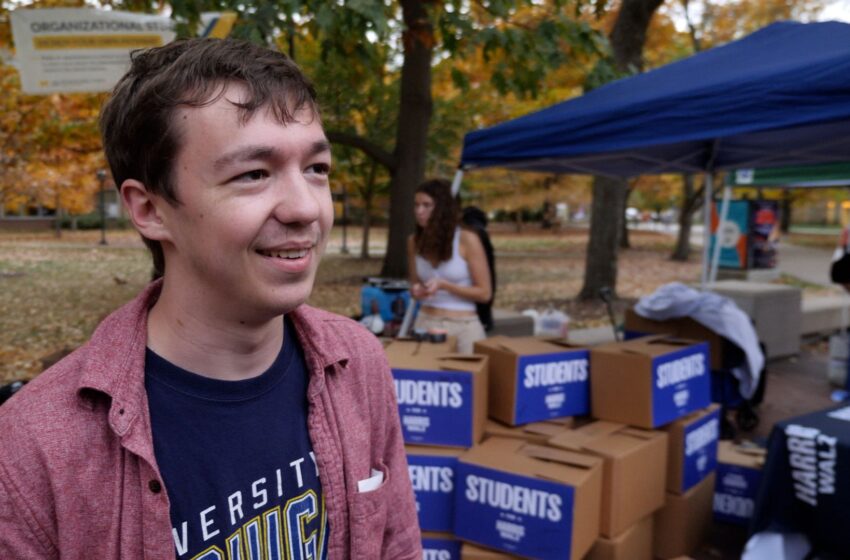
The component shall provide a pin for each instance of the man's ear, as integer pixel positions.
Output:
(145, 210)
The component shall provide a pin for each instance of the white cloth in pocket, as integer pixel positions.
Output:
(371, 483)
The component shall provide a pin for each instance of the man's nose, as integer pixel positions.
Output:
(298, 200)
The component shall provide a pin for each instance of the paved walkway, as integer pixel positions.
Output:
(809, 264)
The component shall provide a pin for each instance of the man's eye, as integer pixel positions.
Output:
(254, 175)
(320, 168)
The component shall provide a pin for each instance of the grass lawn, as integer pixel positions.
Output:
(55, 291)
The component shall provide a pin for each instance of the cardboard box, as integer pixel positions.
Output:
(682, 525)
(693, 448)
(635, 543)
(534, 379)
(739, 473)
(471, 552)
(432, 475)
(635, 326)
(635, 465)
(536, 432)
(440, 546)
(649, 382)
(528, 499)
(442, 398)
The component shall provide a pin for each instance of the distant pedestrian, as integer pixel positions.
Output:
(840, 268)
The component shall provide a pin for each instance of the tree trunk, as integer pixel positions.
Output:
(682, 251)
(627, 39)
(785, 212)
(624, 223)
(367, 225)
(411, 133)
(629, 33)
(601, 265)
(368, 194)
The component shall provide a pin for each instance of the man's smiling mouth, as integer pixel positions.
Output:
(291, 254)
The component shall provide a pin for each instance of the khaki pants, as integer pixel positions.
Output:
(466, 329)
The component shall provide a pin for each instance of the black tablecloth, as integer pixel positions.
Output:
(806, 485)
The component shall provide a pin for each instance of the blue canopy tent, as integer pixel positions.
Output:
(780, 96)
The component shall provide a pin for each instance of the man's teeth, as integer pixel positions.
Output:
(291, 254)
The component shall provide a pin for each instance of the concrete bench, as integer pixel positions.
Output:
(511, 323)
(775, 310)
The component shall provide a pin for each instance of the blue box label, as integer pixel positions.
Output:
(433, 480)
(680, 383)
(552, 385)
(435, 407)
(440, 549)
(700, 448)
(520, 515)
(735, 493)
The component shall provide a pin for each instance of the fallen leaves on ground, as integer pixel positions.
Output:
(54, 292)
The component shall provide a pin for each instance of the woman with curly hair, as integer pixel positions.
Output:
(447, 267)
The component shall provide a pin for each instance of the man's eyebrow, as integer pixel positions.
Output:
(265, 153)
(248, 153)
(320, 146)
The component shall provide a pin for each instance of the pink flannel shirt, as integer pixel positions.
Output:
(78, 477)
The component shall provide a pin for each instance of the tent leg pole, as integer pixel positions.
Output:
(724, 211)
(706, 229)
(456, 182)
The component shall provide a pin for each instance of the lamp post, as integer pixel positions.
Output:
(101, 176)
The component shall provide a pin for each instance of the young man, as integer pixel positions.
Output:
(215, 416)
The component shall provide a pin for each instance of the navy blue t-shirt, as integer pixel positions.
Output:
(236, 460)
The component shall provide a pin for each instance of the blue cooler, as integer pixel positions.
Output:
(392, 297)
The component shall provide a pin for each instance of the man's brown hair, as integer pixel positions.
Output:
(140, 136)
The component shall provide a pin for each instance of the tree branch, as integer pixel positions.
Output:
(365, 145)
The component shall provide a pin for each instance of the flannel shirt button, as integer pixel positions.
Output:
(155, 486)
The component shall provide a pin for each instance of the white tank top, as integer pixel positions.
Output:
(454, 270)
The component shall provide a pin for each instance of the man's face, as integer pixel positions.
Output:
(255, 209)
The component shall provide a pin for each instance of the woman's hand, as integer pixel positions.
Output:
(434, 284)
(418, 291)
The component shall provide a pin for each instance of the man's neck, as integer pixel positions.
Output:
(217, 347)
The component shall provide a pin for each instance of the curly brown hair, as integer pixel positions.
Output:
(434, 241)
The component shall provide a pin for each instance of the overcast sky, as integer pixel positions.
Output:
(837, 10)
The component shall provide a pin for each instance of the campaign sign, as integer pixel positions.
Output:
(524, 516)
(433, 480)
(435, 407)
(552, 385)
(700, 449)
(680, 383)
(440, 549)
(735, 493)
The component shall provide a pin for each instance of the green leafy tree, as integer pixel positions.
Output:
(407, 38)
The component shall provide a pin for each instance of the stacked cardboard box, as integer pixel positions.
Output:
(442, 402)
(664, 383)
(635, 543)
(634, 470)
(537, 487)
(636, 326)
(440, 546)
(533, 379)
(526, 499)
(442, 397)
(693, 449)
(683, 524)
(649, 382)
(739, 474)
(536, 432)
